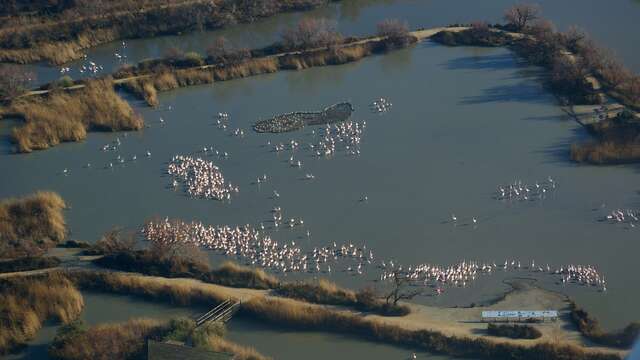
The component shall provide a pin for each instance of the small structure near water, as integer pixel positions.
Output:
(296, 120)
(520, 316)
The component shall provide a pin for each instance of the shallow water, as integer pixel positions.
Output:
(611, 23)
(464, 120)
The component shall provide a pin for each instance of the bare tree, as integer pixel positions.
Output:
(521, 15)
(115, 240)
(174, 54)
(574, 38)
(220, 47)
(221, 51)
(541, 29)
(392, 28)
(14, 80)
(310, 33)
(400, 290)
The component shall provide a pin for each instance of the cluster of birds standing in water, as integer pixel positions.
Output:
(91, 67)
(257, 248)
(201, 178)
(381, 105)
(623, 216)
(519, 191)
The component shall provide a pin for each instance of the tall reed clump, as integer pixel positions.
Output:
(294, 315)
(591, 329)
(26, 302)
(106, 341)
(67, 116)
(155, 289)
(31, 224)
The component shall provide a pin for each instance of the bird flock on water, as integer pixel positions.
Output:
(257, 248)
(201, 178)
(520, 191)
(380, 105)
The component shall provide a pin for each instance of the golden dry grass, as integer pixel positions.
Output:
(26, 302)
(605, 152)
(151, 288)
(240, 352)
(31, 224)
(67, 116)
(108, 341)
(232, 274)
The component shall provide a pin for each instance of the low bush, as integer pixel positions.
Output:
(479, 34)
(514, 331)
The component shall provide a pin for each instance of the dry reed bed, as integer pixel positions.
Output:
(31, 224)
(108, 341)
(26, 302)
(147, 86)
(67, 116)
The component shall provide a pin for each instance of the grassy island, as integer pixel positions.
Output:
(61, 116)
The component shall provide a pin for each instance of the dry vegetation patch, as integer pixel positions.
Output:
(67, 116)
(31, 224)
(26, 302)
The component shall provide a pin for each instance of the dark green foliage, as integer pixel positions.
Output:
(28, 263)
(513, 331)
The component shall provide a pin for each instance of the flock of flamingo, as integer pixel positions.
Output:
(256, 247)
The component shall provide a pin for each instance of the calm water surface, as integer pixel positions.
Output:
(464, 120)
(610, 22)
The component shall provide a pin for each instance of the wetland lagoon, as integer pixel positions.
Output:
(464, 121)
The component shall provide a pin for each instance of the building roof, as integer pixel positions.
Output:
(542, 314)
(169, 351)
